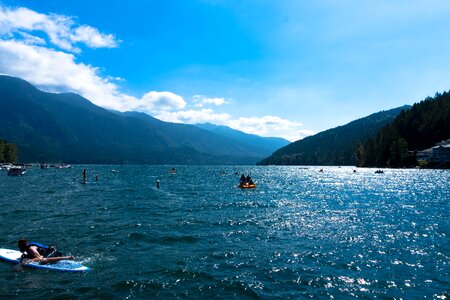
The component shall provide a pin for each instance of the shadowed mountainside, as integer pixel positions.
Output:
(68, 128)
(334, 146)
(421, 127)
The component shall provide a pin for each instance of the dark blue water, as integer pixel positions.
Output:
(300, 234)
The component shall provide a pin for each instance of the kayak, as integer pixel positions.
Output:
(247, 186)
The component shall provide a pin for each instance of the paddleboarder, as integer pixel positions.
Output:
(38, 252)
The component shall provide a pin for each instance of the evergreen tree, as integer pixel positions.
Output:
(2, 150)
(8, 152)
(11, 152)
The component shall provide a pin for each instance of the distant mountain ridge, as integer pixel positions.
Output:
(335, 146)
(69, 128)
(265, 143)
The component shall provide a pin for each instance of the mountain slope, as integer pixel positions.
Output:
(334, 146)
(266, 144)
(418, 128)
(67, 127)
(246, 143)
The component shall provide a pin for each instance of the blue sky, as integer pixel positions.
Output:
(273, 68)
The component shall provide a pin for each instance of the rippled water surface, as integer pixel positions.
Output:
(300, 233)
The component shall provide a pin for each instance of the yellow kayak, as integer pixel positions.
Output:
(247, 186)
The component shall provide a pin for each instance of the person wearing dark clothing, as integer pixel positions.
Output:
(41, 253)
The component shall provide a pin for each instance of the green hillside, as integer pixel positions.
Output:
(334, 146)
(418, 128)
(68, 128)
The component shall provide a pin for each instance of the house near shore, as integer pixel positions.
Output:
(437, 155)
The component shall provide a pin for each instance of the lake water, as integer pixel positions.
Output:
(301, 233)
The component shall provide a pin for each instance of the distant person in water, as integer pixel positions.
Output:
(84, 175)
(40, 253)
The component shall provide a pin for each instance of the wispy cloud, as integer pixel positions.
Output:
(193, 116)
(60, 30)
(263, 126)
(201, 100)
(58, 71)
(271, 125)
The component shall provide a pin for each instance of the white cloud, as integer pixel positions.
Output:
(61, 30)
(117, 78)
(93, 38)
(193, 116)
(264, 126)
(57, 70)
(31, 39)
(271, 126)
(20, 18)
(161, 101)
(201, 100)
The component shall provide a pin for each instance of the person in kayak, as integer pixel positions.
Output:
(40, 253)
(242, 180)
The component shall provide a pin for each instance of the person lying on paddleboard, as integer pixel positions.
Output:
(40, 253)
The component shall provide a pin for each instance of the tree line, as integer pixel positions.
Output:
(8, 152)
(418, 128)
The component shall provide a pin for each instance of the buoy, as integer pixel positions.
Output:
(157, 184)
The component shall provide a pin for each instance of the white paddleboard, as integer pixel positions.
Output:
(13, 256)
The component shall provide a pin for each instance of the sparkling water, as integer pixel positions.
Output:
(302, 233)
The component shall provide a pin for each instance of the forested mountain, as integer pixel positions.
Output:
(418, 128)
(334, 146)
(69, 128)
(267, 144)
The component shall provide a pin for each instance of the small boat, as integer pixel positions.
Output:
(6, 166)
(61, 166)
(379, 172)
(247, 186)
(16, 171)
